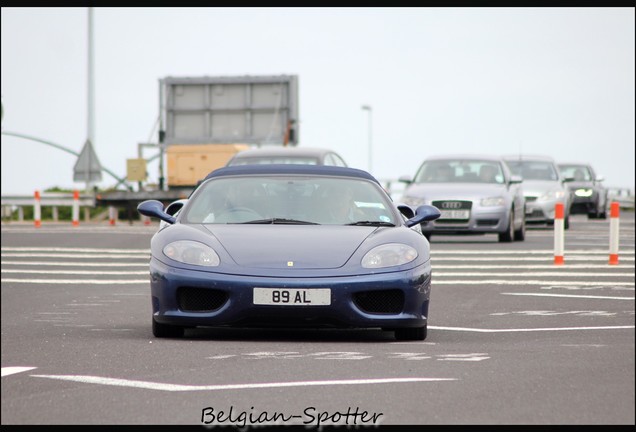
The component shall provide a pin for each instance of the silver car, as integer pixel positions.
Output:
(475, 194)
(287, 155)
(543, 187)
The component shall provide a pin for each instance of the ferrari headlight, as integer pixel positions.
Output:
(492, 201)
(191, 252)
(389, 255)
(584, 192)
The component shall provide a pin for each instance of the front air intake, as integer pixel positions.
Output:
(380, 302)
(193, 299)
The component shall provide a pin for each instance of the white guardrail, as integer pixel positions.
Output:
(10, 203)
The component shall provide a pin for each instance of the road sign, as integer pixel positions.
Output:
(136, 169)
(87, 168)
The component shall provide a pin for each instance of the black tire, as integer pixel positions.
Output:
(410, 333)
(509, 234)
(166, 331)
(520, 234)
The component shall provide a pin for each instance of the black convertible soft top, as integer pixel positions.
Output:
(291, 169)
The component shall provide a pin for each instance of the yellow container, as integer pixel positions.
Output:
(187, 164)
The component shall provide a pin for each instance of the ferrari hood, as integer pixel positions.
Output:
(290, 246)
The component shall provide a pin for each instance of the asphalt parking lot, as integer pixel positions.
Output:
(513, 339)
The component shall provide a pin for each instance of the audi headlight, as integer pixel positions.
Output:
(584, 192)
(552, 195)
(493, 201)
(413, 201)
(192, 252)
(389, 255)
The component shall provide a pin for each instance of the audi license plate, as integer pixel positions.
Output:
(292, 296)
(455, 214)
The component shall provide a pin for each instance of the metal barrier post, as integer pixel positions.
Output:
(112, 215)
(614, 218)
(558, 234)
(75, 208)
(37, 210)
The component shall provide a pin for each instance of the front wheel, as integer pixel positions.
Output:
(508, 235)
(520, 234)
(166, 331)
(410, 333)
(601, 213)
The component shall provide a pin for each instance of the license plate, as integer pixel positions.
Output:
(292, 296)
(455, 214)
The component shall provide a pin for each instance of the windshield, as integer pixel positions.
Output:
(290, 199)
(577, 172)
(533, 170)
(460, 171)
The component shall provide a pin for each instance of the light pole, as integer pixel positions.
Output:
(369, 110)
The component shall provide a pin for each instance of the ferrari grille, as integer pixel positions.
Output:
(193, 299)
(384, 301)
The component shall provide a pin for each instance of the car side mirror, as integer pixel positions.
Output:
(154, 208)
(174, 207)
(568, 179)
(406, 210)
(600, 178)
(516, 179)
(405, 179)
(423, 213)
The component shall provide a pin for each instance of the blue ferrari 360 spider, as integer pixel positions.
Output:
(290, 245)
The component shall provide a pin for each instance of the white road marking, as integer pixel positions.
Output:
(15, 369)
(179, 387)
(57, 313)
(478, 330)
(475, 357)
(410, 356)
(74, 264)
(66, 249)
(569, 296)
(536, 274)
(435, 251)
(78, 281)
(547, 258)
(522, 282)
(81, 272)
(554, 313)
(72, 255)
(537, 266)
(584, 345)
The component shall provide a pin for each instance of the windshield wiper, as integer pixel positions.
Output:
(372, 223)
(281, 221)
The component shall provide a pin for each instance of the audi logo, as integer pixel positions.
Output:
(451, 205)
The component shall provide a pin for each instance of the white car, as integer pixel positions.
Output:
(543, 187)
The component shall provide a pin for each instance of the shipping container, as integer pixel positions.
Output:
(188, 164)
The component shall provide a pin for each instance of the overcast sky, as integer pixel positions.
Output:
(552, 81)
